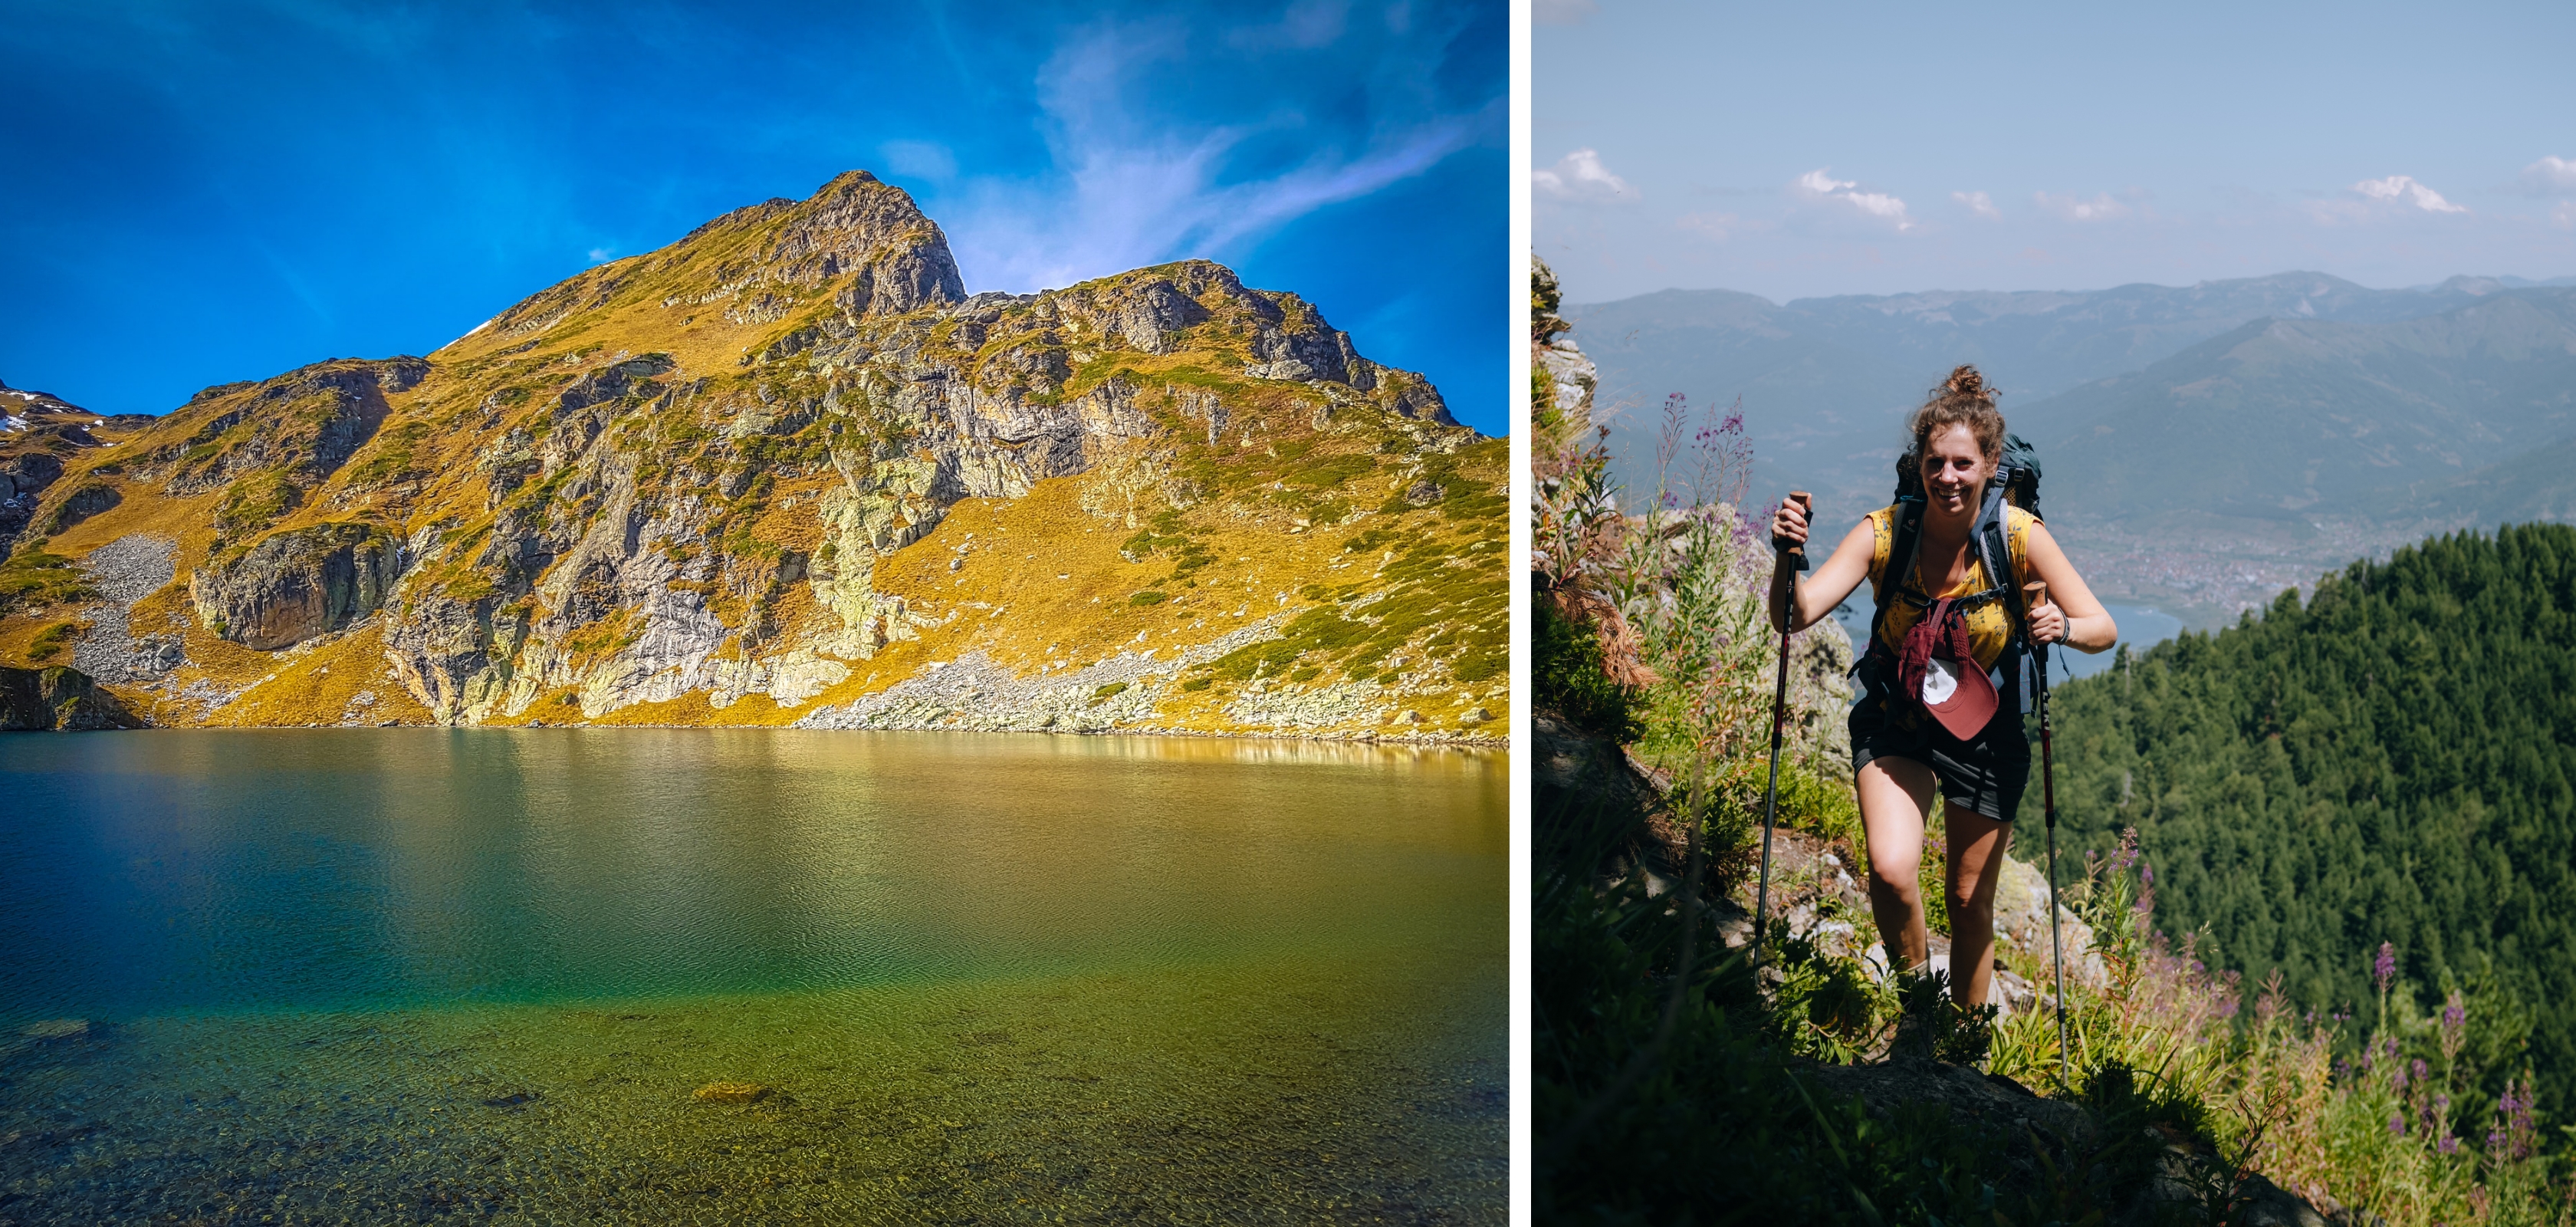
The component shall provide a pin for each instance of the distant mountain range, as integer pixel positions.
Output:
(2303, 418)
(2327, 397)
(2101, 375)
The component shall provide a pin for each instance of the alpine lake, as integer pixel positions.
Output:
(715, 976)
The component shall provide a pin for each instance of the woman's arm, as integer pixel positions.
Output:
(1830, 583)
(2072, 616)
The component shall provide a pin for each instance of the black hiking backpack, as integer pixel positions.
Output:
(2016, 482)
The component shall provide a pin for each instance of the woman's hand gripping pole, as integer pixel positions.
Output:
(2037, 591)
(1792, 559)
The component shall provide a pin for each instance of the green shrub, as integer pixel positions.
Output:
(51, 640)
(34, 578)
(1566, 677)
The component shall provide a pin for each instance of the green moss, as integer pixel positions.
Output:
(255, 502)
(1108, 692)
(1198, 683)
(33, 577)
(469, 585)
(393, 456)
(51, 640)
(1148, 597)
(1368, 540)
(1480, 664)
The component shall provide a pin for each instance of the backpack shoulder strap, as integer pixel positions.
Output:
(1905, 530)
(1994, 548)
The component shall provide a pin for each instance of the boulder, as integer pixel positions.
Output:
(89, 500)
(297, 584)
(59, 699)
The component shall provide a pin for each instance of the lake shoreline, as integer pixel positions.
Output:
(1445, 741)
(752, 977)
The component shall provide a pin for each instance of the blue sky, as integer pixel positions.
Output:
(202, 192)
(1802, 150)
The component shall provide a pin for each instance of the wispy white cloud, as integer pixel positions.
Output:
(1306, 25)
(2404, 189)
(2564, 216)
(2550, 176)
(1581, 176)
(1716, 226)
(928, 160)
(1817, 185)
(1134, 186)
(2099, 207)
(602, 255)
(1980, 204)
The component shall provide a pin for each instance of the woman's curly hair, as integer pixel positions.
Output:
(1962, 400)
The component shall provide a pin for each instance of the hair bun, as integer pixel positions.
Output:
(1965, 381)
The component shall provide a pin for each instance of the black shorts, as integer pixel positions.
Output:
(1986, 775)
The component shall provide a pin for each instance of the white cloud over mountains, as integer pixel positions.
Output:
(1581, 176)
(1818, 186)
(2403, 188)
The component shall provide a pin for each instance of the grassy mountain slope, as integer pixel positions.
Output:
(2534, 486)
(2394, 761)
(786, 470)
(2279, 417)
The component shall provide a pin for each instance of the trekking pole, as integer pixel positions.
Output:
(1779, 721)
(2038, 590)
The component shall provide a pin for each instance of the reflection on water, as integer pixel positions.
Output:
(433, 973)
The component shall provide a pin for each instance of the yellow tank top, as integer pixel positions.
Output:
(1989, 624)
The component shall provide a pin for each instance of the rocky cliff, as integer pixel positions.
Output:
(58, 699)
(786, 470)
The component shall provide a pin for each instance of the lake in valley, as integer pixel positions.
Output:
(430, 975)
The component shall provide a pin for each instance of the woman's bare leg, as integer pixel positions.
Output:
(1977, 846)
(1895, 798)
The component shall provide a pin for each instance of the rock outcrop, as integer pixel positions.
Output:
(59, 699)
(297, 584)
(710, 474)
(40, 435)
(1566, 378)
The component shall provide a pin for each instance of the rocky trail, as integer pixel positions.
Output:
(1815, 887)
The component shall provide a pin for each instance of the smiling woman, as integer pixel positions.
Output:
(476, 154)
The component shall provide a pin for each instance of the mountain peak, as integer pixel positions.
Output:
(860, 227)
(858, 241)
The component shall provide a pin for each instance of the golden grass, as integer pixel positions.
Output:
(1007, 601)
(316, 682)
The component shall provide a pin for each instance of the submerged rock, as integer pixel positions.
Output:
(733, 1092)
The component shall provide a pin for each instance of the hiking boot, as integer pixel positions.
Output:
(1921, 997)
